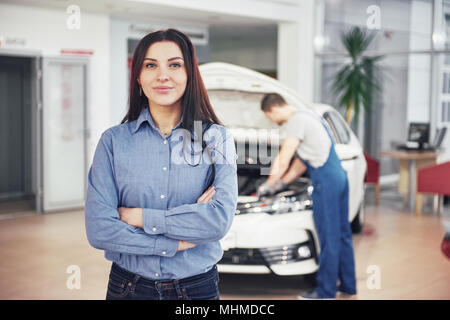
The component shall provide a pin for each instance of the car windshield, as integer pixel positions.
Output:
(239, 109)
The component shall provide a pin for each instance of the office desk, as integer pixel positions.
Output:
(410, 162)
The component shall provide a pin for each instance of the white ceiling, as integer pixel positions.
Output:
(142, 11)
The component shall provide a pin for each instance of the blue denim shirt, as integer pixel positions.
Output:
(135, 166)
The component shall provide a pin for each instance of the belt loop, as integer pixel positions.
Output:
(135, 280)
(176, 285)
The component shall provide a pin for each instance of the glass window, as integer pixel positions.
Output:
(415, 79)
(399, 25)
(338, 125)
(334, 134)
(442, 90)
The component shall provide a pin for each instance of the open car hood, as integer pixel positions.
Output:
(236, 92)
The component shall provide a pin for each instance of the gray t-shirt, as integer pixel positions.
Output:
(315, 142)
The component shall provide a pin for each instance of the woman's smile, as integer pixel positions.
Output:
(163, 89)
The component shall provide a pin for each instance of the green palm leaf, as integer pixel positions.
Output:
(356, 81)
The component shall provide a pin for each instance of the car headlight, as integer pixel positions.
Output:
(281, 203)
(304, 252)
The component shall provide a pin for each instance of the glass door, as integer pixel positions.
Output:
(63, 133)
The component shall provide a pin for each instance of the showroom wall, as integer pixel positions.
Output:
(45, 31)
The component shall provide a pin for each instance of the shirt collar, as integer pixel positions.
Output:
(146, 116)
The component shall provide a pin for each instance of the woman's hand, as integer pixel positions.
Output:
(131, 216)
(184, 245)
(207, 195)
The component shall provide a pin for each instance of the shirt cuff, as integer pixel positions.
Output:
(166, 247)
(154, 221)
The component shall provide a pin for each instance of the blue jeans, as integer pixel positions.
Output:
(125, 285)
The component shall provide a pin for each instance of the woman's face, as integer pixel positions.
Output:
(163, 76)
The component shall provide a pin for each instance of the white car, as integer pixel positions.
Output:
(277, 234)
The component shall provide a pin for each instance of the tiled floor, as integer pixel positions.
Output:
(36, 251)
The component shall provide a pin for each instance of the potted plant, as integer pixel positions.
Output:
(356, 80)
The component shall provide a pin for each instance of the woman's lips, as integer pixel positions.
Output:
(163, 89)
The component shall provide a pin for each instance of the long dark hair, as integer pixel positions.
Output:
(195, 102)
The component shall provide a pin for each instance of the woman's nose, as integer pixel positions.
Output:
(163, 75)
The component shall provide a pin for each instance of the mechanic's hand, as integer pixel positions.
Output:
(263, 190)
(279, 185)
(207, 195)
(268, 190)
(184, 245)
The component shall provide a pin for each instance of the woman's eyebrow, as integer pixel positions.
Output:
(174, 58)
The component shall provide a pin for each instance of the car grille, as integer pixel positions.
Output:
(243, 256)
(266, 256)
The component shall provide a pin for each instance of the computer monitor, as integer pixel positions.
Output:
(419, 132)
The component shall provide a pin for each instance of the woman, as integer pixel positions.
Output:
(149, 204)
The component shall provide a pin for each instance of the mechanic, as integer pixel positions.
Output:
(308, 138)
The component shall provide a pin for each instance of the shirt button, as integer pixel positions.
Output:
(164, 168)
(164, 252)
(163, 196)
(154, 229)
(165, 142)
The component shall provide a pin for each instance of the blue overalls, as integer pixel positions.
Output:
(330, 211)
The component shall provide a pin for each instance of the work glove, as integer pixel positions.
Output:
(266, 189)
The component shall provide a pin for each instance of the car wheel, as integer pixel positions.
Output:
(358, 222)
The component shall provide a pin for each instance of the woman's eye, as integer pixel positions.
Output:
(150, 65)
(176, 65)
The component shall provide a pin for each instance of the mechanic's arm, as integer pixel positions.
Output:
(296, 169)
(282, 160)
(104, 229)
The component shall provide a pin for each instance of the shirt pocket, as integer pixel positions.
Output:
(190, 181)
(138, 177)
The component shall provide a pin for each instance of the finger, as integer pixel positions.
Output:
(203, 196)
(184, 245)
(190, 245)
(206, 194)
(208, 197)
(204, 200)
(209, 191)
